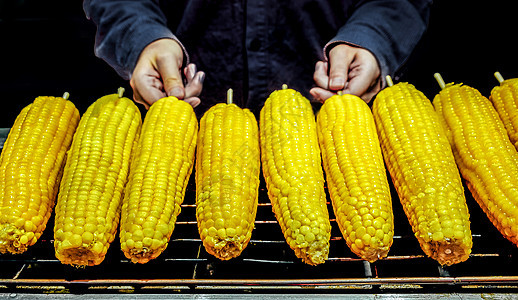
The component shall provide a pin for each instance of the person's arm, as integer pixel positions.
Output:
(124, 29)
(382, 30)
(132, 37)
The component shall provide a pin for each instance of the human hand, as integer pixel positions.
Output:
(351, 69)
(157, 74)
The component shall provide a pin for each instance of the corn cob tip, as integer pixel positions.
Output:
(229, 250)
(120, 92)
(143, 255)
(66, 95)
(389, 80)
(14, 240)
(449, 252)
(284, 86)
(312, 256)
(440, 80)
(499, 77)
(83, 256)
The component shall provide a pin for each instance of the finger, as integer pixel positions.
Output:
(339, 61)
(169, 71)
(135, 98)
(362, 78)
(358, 85)
(190, 72)
(320, 94)
(372, 91)
(146, 89)
(195, 86)
(138, 99)
(193, 101)
(367, 97)
(320, 76)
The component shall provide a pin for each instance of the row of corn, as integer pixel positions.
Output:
(108, 166)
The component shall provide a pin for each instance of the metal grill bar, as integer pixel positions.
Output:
(272, 282)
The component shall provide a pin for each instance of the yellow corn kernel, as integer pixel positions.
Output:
(505, 100)
(93, 181)
(227, 179)
(486, 157)
(356, 176)
(292, 169)
(421, 164)
(31, 165)
(158, 177)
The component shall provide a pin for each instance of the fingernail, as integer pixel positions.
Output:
(337, 82)
(177, 92)
(192, 70)
(201, 78)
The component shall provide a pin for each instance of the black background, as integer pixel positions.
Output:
(46, 48)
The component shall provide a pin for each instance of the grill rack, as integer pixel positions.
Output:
(268, 264)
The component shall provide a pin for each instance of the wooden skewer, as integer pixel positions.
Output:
(389, 80)
(120, 92)
(230, 96)
(440, 81)
(499, 77)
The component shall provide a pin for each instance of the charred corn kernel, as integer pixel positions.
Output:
(292, 169)
(486, 158)
(93, 181)
(31, 165)
(227, 179)
(421, 164)
(356, 175)
(505, 100)
(158, 177)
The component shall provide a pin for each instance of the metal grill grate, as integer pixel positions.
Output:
(268, 263)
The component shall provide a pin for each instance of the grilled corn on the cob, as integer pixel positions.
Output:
(486, 158)
(356, 175)
(31, 165)
(421, 164)
(90, 193)
(292, 169)
(227, 179)
(505, 100)
(158, 177)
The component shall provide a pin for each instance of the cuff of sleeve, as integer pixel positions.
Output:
(139, 39)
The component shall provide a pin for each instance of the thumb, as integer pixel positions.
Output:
(171, 77)
(340, 58)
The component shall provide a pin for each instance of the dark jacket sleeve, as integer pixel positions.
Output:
(390, 29)
(124, 29)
